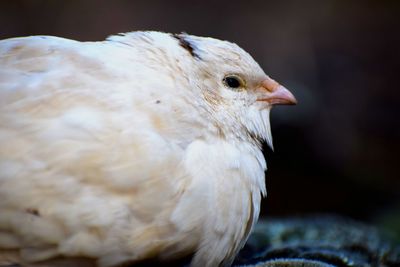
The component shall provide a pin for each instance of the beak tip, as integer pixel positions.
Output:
(284, 97)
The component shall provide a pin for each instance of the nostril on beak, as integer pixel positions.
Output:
(270, 84)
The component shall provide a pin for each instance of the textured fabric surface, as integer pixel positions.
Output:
(318, 241)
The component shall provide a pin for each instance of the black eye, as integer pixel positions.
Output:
(233, 81)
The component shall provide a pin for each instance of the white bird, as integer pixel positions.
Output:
(145, 145)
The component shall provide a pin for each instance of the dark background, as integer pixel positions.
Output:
(337, 151)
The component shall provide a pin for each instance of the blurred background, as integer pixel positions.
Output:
(337, 151)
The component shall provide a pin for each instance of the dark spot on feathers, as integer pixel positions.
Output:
(33, 211)
(183, 42)
(257, 140)
(158, 101)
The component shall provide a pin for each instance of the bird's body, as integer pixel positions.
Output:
(128, 149)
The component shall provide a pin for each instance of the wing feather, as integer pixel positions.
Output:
(84, 158)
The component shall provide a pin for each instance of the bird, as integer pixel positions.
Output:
(146, 145)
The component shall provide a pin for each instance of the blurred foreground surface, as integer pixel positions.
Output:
(320, 242)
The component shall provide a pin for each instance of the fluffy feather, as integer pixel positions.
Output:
(128, 149)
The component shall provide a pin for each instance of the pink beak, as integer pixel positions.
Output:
(277, 94)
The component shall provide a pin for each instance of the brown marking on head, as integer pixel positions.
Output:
(220, 131)
(88, 64)
(16, 48)
(212, 98)
(33, 211)
(158, 122)
(33, 65)
(24, 57)
(252, 137)
(186, 45)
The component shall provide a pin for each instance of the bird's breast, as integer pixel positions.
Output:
(222, 197)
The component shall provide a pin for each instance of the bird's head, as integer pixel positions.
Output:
(216, 76)
(236, 91)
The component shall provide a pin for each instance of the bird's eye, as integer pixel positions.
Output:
(233, 81)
